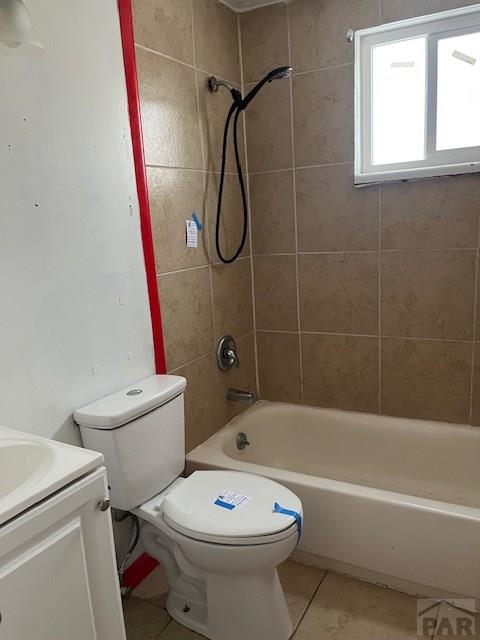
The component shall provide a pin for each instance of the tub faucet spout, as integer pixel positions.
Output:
(237, 395)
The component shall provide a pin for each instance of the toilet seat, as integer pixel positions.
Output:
(230, 507)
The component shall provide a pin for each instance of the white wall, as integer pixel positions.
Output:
(74, 316)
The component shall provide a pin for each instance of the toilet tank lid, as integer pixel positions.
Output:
(129, 403)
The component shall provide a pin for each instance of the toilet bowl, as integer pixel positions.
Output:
(223, 577)
(220, 535)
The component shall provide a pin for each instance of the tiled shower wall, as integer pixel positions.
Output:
(178, 44)
(365, 299)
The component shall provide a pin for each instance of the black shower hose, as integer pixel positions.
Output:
(234, 109)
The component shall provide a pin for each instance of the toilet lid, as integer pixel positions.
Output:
(216, 506)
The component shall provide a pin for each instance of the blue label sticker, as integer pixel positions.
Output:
(225, 505)
(231, 500)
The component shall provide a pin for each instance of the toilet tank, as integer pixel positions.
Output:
(141, 432)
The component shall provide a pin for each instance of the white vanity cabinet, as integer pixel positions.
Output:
(58, 578)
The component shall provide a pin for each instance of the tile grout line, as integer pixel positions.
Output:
(307, 71)
(367, 335)
(152, 165)
(199, 266)
(205, 355)
(379, 302)
(309, 603)
(475, 303)
(181, 62)
(206, 217)
(300, 167)
(297, 277)
(250, 239)
(379, 223)
(369, 251)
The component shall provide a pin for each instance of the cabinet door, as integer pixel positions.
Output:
(58, 579)
(44, 593)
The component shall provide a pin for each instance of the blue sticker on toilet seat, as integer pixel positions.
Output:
(232, 500)
(289, 512)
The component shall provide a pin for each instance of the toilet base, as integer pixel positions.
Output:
(250, 606)
(243, 601)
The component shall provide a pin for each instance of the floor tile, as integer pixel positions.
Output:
(144, 621)
(175, 631)
(299, 583)
(154, 588)
(347, 609)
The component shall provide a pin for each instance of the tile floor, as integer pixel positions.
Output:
(323, 606)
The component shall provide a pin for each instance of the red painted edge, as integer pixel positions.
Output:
(139, 570)
(128, 43)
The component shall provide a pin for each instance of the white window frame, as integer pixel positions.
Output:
(436, 163)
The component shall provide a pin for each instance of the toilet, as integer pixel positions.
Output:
(219, 534)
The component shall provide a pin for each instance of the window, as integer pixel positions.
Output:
(417, 97)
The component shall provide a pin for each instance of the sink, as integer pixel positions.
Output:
(32, 468)
(22, 463)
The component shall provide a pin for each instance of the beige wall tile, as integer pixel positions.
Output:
(243, 378)
(347, 609)
(333, 215)
(339, 293)
(186, 315)
(476, 387)
(174, 194)
(232, 298)
(231, 221)
(428, 294)
(279, 366)
(426, 379)
(165, 26)
(272, 212)
(171, 129)
(319, 28)
(214, 108)
(202, 400)
(341, 372)
(323, 116)
(395, 10)
(275, 280)
(264, 41)
(433, 214)
(268, 121)
(477, 328)
(216, 39)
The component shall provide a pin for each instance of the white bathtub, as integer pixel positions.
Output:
(385, 499)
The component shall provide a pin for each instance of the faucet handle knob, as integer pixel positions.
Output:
(227, 356)
(232, 358)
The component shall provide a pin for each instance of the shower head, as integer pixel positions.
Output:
(276, 74)
(279, 73)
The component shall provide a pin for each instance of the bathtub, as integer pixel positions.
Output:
(390, 500)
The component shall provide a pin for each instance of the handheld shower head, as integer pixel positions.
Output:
(279, 73)
(276, 74)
